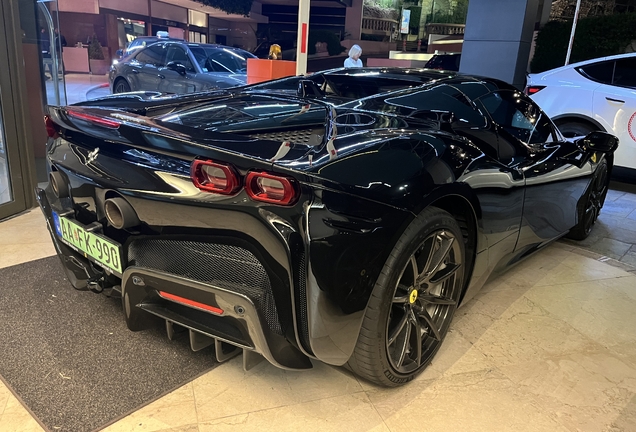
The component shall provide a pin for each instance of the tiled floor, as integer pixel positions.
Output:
(548, 346)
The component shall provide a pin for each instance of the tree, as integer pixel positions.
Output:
(240, 7)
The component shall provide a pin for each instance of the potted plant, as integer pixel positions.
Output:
(99, 65)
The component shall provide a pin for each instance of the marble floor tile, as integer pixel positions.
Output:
(579, 269)
(16, 418)
(229, 391)
(5, 393)
(527, 332)
(478, 401)
(173, 412)
(24, 238)
(347, 413)
(602, 310)
(584, 392)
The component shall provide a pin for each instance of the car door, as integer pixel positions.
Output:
(153, 58)
(171, 81)
(530, 143)
(615, 108)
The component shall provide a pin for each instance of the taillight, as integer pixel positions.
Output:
(51, 128)
(270, 188)
(213, 177)
(101, 121)
(530, 90)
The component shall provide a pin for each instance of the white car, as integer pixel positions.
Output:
(597, 94)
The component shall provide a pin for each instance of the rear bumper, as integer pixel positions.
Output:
(242, 322)
(237, 321)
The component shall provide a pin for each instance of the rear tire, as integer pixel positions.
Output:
(574, 129)
(591, 203)
(413, 301)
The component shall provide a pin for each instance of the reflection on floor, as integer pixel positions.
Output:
(548, 346)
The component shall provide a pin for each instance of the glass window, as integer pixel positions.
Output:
(177, 54)
(5, 179)
(439, 98)
(221, 59)
(154, 55)
(625, 72)
(519, 117)
(601, 72)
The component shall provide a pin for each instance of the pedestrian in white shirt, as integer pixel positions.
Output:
(353, 60)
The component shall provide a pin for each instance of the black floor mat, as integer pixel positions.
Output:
(70, 357)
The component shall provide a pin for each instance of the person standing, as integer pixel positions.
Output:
(353, 61)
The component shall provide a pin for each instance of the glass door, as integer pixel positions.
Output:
(15, 176)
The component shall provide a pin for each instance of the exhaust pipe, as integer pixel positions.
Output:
(58, 184)
(120, 213)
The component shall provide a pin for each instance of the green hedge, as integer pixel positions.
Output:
(240, 7)
(595, 37)
(332, 40)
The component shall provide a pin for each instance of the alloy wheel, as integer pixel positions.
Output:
(424, 302)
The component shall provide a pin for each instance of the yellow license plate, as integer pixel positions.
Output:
(97, 248)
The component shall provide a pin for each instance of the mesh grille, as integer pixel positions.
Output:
(301, 286)
(230, 267)
(295, 136)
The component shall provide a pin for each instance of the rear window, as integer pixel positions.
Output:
(444, 62)
(625, 72)
(600, 72)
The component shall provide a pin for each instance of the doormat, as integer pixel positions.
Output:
(70, 357)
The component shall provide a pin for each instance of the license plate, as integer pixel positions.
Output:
(97, 248)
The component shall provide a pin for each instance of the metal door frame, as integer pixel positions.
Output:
(14, 113)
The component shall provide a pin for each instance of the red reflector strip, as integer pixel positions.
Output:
(303, 42)
(112, 124)
(191, 303)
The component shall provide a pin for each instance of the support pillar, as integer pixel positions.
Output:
(498, 38)
(303, 37)
(353, 20)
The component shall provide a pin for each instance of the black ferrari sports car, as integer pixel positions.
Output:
(342, 216)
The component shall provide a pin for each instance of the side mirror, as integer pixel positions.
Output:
(600, 142)
(177, 67)
(308, 88)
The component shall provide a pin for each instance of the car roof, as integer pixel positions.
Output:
(193, 44)
(584, 63)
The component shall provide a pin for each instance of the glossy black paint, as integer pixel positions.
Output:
(365, 164)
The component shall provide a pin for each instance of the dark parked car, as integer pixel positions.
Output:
(304, 219)
(180, 67)
(448, 62)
